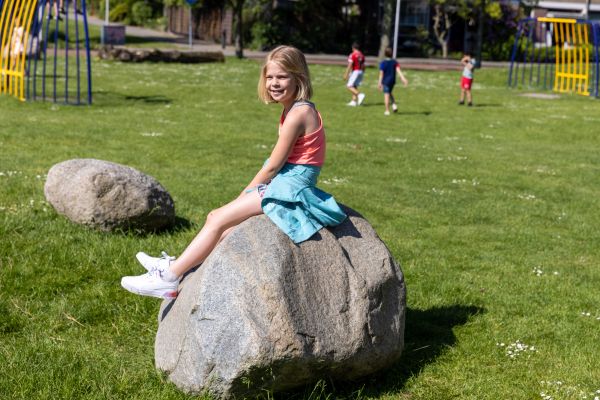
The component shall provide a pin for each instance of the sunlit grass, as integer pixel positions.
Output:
(492, 212)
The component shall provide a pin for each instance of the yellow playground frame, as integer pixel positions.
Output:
(15, 24)
(572, 55)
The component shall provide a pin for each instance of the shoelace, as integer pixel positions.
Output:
(164, 255)
(155, 270)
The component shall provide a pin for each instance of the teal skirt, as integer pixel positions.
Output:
(293, 202)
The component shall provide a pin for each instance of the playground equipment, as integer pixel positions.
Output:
(558, 54)
(45, 56)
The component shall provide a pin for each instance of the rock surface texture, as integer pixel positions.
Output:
(108, 196)
(262, 313)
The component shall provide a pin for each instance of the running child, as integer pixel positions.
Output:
(388, 69)
(354, 75)
(283, 189)
(467, 79)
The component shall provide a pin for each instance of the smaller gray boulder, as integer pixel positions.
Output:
(108, 196)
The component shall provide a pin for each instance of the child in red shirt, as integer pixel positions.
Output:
(354, 74)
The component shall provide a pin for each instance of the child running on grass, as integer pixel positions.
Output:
(388, 69)
(283, 189)
(467, 79)
(354, 74)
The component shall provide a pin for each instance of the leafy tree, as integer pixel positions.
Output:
(311, 25)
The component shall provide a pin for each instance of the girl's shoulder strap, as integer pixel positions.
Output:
(303, 103)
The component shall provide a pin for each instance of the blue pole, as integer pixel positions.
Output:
(34, 38)
(87, 52)
(595, 34)
(514, 52)
(77, 52)
(526, 54)
(48, 21)
(546, 30)
(66, 51)
(55, 52)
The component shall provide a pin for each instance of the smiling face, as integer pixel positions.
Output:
(280, 84)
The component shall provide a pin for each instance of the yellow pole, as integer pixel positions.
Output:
(30, 10)
(579, 79)
(568, 51)
(556, 55)
(562, 57)
(587, 59)
(4, 47)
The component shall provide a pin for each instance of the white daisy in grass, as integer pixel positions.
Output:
(396, 140)
(151, 134)
(451, 158)
(517, 349)
(11, 173)
(439, 191)
(334, 181)
(486, 136)
(451, 138)
(260, 146)
(526, 196)
(538, 271)
(562, 390)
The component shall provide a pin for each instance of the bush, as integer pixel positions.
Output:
(141, 13)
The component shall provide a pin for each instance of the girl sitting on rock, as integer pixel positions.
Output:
(283, 189)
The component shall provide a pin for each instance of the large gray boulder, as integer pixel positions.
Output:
(108, 196)
(262, 313)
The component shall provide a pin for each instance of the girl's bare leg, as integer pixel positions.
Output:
(218, 224)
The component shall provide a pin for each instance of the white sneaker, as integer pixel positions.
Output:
(352, 104)
(163, 262)
(361, 98)
(151, 284)
(394, 107)
(386, 113)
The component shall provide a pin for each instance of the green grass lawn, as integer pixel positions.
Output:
(492, 212)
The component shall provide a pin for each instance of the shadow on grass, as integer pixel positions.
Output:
(425, 113)
(477, 105)
(114, 98)
(428, 333)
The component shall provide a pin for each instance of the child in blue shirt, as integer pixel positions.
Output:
(387, 79)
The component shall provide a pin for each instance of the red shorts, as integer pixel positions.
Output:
(465, 83)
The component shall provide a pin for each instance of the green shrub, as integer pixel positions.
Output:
(119, 13)
(141, 13)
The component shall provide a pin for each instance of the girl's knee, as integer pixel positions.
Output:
(212, 218)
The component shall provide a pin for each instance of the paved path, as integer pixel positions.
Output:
(182, 42)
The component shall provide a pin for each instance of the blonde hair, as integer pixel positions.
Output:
(293, 61)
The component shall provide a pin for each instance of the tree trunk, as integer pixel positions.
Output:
(441, 27)
(386, 39)
(238, 7)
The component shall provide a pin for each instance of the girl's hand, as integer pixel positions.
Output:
(380, 87)
(405, 82)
